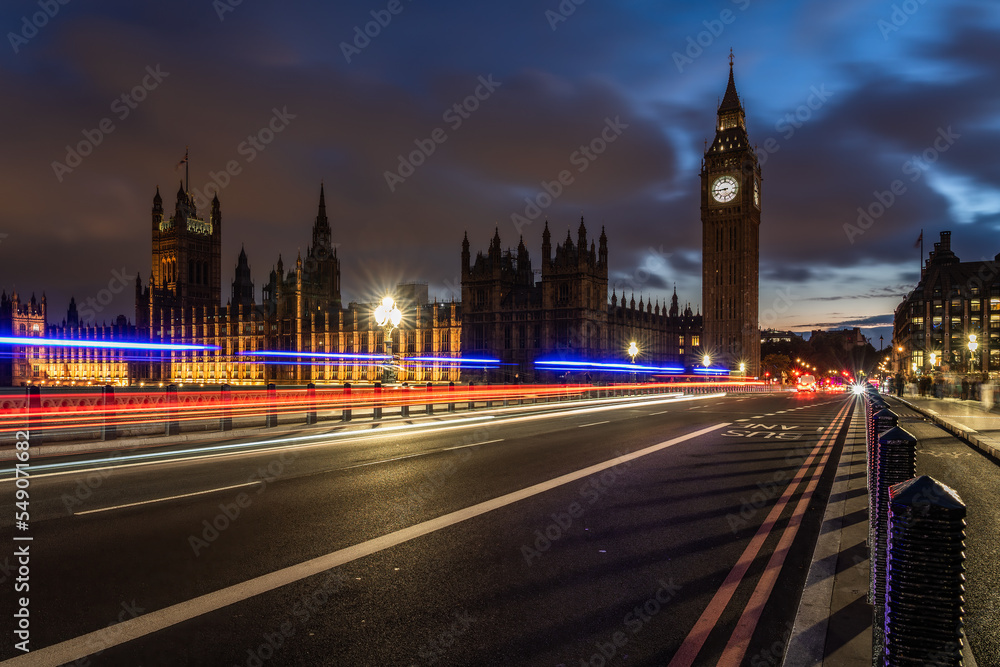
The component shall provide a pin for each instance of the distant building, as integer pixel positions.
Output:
(566, 315)
(953, 301)
(22, 364)
(776, 336)
(849, 339)
(299, 311)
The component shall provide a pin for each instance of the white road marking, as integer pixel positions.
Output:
(594, 424)
(475, 444)
(161, 500)
(119, 633)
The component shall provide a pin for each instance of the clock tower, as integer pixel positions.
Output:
(730, 222)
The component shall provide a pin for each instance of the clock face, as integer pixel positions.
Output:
(724, 189)
(756, 193)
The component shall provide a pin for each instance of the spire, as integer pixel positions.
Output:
(157, 199)
(731, 100)
(731, 128)
(322, 235)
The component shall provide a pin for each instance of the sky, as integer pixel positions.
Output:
(874, 122)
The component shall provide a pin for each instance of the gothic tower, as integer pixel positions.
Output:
(730, 222)
(186, 253)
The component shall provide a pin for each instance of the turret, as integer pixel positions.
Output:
(216, 217)
(243, 290)
(546, 246)
(466, 255)
(322, 235)
(157, 212)
(495, 251)
(72, 315)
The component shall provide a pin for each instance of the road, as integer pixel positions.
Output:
(650, 532)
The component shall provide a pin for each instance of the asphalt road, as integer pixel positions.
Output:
(573, 537)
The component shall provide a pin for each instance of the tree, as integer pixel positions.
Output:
(776, 364)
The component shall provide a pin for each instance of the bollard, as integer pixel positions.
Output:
(311, 403)
(172, 425)
(404, 406)
(33, 420)
(108, 429)
(894, 462)
(376, 404)
(878, 423)
(271, 415)
(430, 399)
(225, 399)
(925, 564)
(472, 402)
(345, 414)
(451, 392)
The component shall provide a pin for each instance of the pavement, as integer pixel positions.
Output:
(833, 624)
(972, 421)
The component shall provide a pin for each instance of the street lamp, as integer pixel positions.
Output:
(388, 316)
(632, 351)
(973, 345)
(706, 360)
(743, 368)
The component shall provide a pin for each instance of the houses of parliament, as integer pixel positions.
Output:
(504, 312)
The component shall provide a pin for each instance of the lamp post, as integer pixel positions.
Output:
(633, 350)
(973, 346)
(388, 316)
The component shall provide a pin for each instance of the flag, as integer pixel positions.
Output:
(920, 239)
(184, 161)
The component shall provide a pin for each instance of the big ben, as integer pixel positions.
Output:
(730, 220)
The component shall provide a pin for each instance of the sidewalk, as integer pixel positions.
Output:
(969, 420)
(833, 622)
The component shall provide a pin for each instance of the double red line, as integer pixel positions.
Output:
(736, 648)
